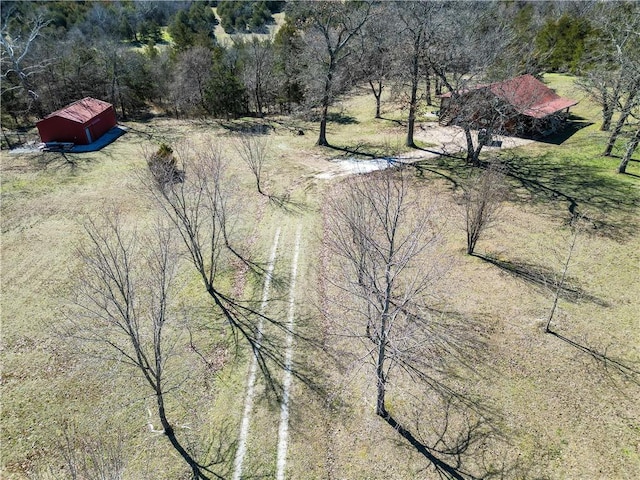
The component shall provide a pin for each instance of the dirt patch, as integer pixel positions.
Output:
(449, 140)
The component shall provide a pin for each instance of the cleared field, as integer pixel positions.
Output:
(519, 403)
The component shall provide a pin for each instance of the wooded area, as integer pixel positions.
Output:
(164, 57)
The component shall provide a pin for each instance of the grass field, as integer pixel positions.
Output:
(522, 404)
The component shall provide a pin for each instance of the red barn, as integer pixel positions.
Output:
(81, 123)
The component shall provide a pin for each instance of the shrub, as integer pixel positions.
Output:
(164, 166)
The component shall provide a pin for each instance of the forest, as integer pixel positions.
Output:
(150, 58)
(325, 245)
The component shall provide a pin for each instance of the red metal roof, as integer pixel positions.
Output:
(528, 95)
(81, 111)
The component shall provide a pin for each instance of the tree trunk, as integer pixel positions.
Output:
(322, 138)
(413, 104)
(428, 88)
(473, 153)
(607, 116)
(380, 378)
(412, 114)
(560, 285)
(624, 115)
(258, 96)
(614, 135)
(631, 147)
(6, 138)
(377, 93)
(609, 104)
(381, 381)
(122, 108)
(410, 128)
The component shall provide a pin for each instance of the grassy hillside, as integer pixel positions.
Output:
(519, 404)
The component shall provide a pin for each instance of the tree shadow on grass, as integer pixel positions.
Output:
(443, 421)
(287, 205)
(449, 167)
(55, 161)
(610, 202)
(361, 149)
(341, 119)
(458, 445)
(440, 153)
(544, 279)
(626, 369)
(444, 469)
(247, 126)
(399, 123)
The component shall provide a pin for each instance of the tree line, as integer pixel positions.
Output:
(165, 56)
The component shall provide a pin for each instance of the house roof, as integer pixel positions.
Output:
(82, 110)
(528, 95)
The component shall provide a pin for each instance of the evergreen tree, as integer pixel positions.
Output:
(562, 42)
(193, 27)
(225, 93)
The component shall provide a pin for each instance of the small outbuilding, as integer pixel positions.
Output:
(520, 106)
(80, 123)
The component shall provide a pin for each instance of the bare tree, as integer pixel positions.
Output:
(18, 68)
(202, 210)
(86, 457)
(258, 72)
(605, 88)
(613, 69)
(254, 151)
(125, 294)
(192, 72)
(329, 30)
(382, 238)
(92, 458)
(377, 50)
(558, 283)
(461, 54)
(482, 198)
(417, 23)
(163, 166)
(631, 103)
(612, 57)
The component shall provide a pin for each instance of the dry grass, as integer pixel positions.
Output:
(545, 406)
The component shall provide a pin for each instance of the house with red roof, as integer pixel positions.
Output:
(519, 106)
(80, 123)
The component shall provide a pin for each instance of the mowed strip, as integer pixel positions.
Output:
(251, 381)
(283, 431)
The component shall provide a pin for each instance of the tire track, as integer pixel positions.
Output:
(283, 430)
(251, 381)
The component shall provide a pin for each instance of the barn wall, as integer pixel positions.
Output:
(102, 123)
(58, 129)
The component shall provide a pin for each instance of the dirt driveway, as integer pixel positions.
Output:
(448, 140)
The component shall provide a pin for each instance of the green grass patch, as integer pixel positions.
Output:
(534, 405)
